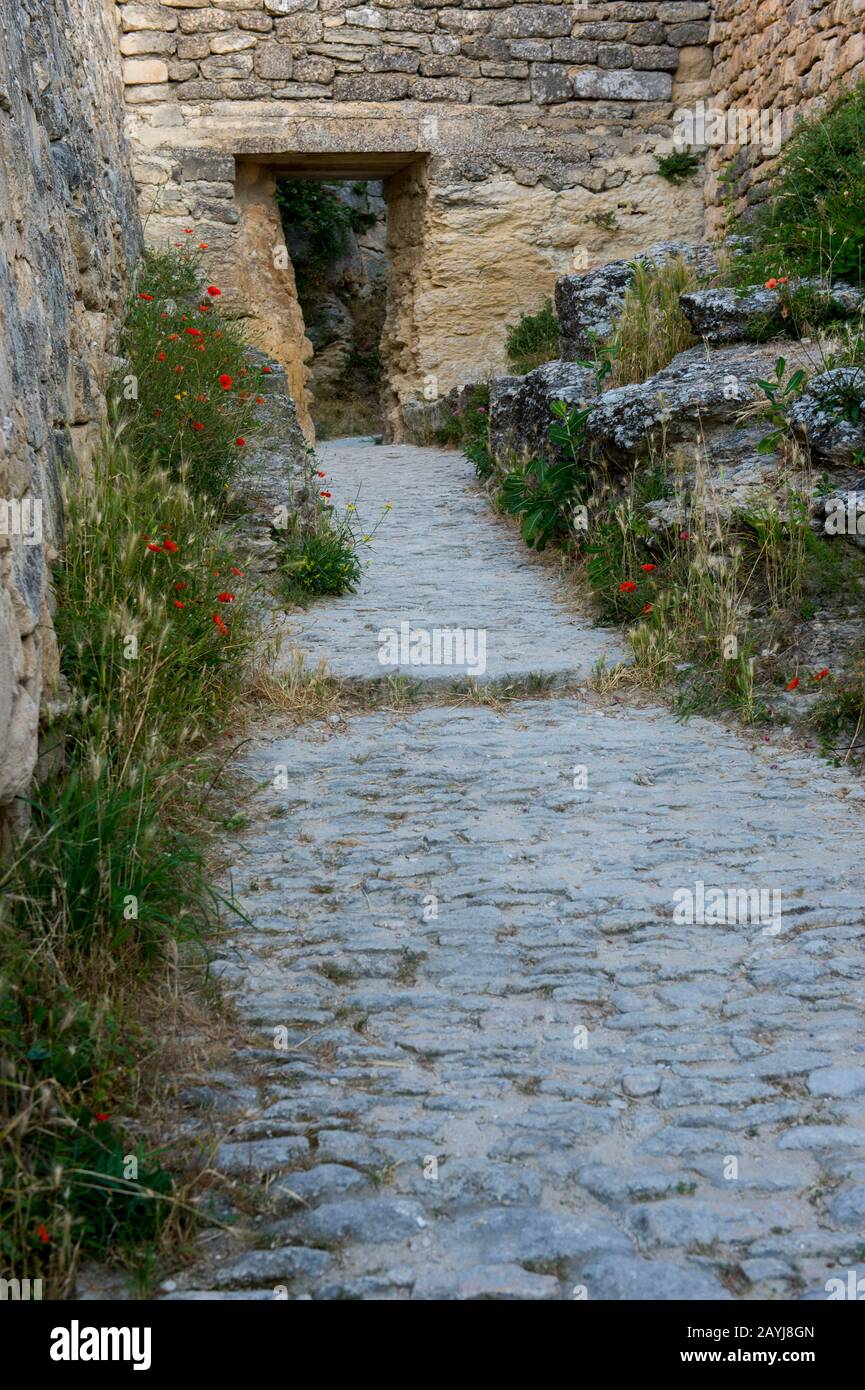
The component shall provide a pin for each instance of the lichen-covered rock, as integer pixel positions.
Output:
(589, 304)
(521, 408)
(696, 405)
(731, 315)
(818, 415)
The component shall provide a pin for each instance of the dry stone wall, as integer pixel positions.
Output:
(781, 58)
(68, 230)
(516, 142)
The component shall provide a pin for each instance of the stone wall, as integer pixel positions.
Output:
(516, 142)
(781, 57)
(68, 229)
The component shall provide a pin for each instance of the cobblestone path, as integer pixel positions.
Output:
(500, 1058)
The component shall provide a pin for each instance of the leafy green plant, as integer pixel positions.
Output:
(780, 395)
(533, 340)
(677, 166)
(319, 562)
(318, 209)
(543, 494)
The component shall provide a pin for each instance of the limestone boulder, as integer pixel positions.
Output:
(521, 408)
(701, 404)
(734, 315)
(824, 416)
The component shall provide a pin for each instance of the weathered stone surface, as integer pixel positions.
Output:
(818, 414)
(728, 315)
(694, 405)
(69, 230)
(520, 415)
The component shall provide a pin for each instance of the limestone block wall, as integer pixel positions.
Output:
(778, 56)
(68, 230)
(516, 143)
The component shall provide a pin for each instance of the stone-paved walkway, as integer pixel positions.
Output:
(494, 1063)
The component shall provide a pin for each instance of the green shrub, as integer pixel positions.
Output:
(543, 494)
(677, 166)
(186, 389)
(318, 562)
(533, 340)
(811, 223)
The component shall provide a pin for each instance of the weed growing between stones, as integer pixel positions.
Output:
(652, 328)
(154, 625)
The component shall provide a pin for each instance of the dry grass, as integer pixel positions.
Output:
(652, 328)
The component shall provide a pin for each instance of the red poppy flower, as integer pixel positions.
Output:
(178, 604)
(647, 607)
(197, 425)
(822, 674)
(324, 494)
(791, 685)
(240, 441)
(319, 474)
(193, 332)
(154, 546)
(181, 585)
(259, 400)
(266, 371)
(628, 587)
(684, 535)
(213, 290)
(170, 545)
(648, 568)
(203, 308)
(225, 597)
(235, 570)
(226, 381)
(145, 296)
(173, 337)
(102, 1116)
(42, 1233)
(202, 245)
(771, 284)
(187, 231)
(160, 357)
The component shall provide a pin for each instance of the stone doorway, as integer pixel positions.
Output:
(262, 276)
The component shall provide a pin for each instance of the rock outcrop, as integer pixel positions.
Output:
(520, 408)
(739, 315)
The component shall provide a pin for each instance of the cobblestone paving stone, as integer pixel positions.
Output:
(492, 1063)
(439, 562)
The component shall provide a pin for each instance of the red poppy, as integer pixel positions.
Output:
(160, 357)
(771, 284)
(319, 474)
(154, 546)
(193, 332)
(187, 231)
(266, 371)
(145, 296)
(648, 568)
(647, 607)
(324, 494)
(213, 290)
(202, 245)
(226, 381)
(181, 585)
(791, 685)
(178, 604)
(197, 425)
(240, 441)
(102, 1116)
(173, 337)
(225, 597)
(822, 674)
(235, 570)
(170, 545)
(628, 587)
(684, 535)
(203, 308)
(42, 1233)
(259, 400)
